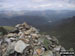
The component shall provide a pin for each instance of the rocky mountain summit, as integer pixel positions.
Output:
(25, 40)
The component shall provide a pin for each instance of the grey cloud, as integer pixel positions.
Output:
(36, 4)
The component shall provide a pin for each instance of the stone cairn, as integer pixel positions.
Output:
(25, 40)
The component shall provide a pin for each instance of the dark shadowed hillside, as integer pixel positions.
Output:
(67, 32)
(64, 30)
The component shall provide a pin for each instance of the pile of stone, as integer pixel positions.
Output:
(26, 40)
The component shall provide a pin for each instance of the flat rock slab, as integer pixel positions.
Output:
(20, 46)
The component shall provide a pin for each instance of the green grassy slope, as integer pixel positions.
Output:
(5, 29)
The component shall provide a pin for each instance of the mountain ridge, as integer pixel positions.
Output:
(34, 17)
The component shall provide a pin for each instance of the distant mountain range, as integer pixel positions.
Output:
(35, 18)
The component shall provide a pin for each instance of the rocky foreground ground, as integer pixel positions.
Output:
(25, 40)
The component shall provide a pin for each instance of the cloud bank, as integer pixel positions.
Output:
(16, 5)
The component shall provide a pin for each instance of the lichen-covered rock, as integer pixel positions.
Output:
(48, 53)
(10, 49)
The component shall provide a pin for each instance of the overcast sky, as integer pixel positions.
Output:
(16, 5)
